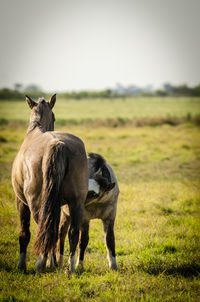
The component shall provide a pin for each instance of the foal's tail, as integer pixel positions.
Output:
(49, 216)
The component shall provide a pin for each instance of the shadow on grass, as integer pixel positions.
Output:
(186, 270)
(11, 267)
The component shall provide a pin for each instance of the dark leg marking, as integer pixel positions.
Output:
(73, 234)
(63, 228)
(110, 243)
(83, 242)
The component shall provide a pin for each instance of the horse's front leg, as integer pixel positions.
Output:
(24, 236)
(73, 234)
(110, 243)
(83, 242)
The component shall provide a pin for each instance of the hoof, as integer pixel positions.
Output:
(41, 265)
(112, 262)
(22, 267)
(71, 264)
(79, 265)
(22, 262)
(114, 267)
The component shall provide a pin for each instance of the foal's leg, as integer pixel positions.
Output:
(73, 234)
(63, 228)
(110, 243)
(83, 242)
(24, 236)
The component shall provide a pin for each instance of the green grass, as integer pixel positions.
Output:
(157, 225)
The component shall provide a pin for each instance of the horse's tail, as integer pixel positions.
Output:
(49, 216)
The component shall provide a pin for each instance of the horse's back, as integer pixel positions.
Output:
(32, 160)
(74, 144)
(34, 152)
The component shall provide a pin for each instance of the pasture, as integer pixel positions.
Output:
(158, 218)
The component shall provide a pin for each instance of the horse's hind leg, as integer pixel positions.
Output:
(63, 228)
(24, 236)
(110, 243)
(83, 242)
(57, 259)
(75, 216)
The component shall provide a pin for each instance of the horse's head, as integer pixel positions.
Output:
(41, 113)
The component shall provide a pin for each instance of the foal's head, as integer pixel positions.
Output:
(98, 187)
(41, 114)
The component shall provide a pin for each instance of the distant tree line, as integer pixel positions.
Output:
(167, 90)
(181, 90)
(10, 94)
(108, 93)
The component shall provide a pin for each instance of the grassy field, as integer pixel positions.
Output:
(126, 108)
(158, 218)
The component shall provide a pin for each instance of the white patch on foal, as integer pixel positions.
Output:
(93, 185)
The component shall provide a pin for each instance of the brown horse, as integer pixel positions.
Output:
(101, 203)
(50, 170)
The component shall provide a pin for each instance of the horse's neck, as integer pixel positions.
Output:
(34, 126)
(29, 138)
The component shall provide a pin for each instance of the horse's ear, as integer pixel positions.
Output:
(30, 102)
(52, 101)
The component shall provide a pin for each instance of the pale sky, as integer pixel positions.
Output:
(65, 45)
